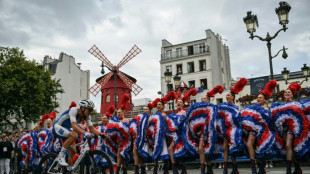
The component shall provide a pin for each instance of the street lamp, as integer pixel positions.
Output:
(176, 79)
(251, 23)
(305, 72)
(168, 76)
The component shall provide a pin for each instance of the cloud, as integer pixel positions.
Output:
(73, 26)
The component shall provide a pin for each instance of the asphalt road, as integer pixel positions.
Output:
(275, 170)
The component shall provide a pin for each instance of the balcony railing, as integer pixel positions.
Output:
(182, 53)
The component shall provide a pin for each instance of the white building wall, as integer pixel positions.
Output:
(74, 81)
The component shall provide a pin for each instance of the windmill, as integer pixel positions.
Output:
(122, 81)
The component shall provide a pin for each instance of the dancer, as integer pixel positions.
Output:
(290, 141)
(255, 121)
(228, 126)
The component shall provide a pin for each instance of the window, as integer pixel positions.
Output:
(219, 100)
(190, 67)
(179, 69)
(179, 52)
(202, 48)
(169, 68)
(204, 83)
(202, 65)
(116, 97)
(193, 102)
(168, 54)
(108, 98)
(196, 49)
(190, 50)
(191, 84)
(170, 106)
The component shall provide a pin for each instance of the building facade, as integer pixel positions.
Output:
(74, 80)
(201, 63)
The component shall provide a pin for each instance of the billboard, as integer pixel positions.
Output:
(258, 84)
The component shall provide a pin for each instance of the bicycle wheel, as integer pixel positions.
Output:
(97, 162)
(48, 165)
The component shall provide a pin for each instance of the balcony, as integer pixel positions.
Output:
(183, 53)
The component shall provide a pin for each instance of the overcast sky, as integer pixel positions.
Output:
(72, 26)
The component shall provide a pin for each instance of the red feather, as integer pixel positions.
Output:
(75, 157)
(73, 104)
(110, 110)
(154, 104)
(269, 88)
(125, 99)
(239, 86)
(149, 105)
(170, 96)
(294, 87)
(191, 92)
(215, 90)
(52, 115)
(44, 117)
(24, 148)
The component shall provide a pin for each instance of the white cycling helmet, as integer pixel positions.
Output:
(87, 103)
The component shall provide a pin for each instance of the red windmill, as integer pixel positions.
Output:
(122, 83)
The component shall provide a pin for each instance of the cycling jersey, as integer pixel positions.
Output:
(62, 126)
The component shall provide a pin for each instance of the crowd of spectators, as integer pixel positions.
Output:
(10, 154)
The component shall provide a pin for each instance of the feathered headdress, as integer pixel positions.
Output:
(52, 115)
(215, 90)
(73, 104)
(191, 92)
(294, 87)
(267, 92)
(110, 110)
(125, 99)
(239, 86)
(44, 117)
(170, 96)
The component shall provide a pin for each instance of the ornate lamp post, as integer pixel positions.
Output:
(305, 71)
(176, 79)
(251, 23)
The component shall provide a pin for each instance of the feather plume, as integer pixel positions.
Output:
(294, 87)
(239, 86)
(52, 115)
(150, 106)
(110, 110)
(73, 104)
(215, 90)
(44, 117)
(191, 92)
(125, 99)
(170, 96)
(154, 103)
(270, 86)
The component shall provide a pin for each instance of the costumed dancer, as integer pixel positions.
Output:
(156, 134)
(256, 123)
(227, 125)
(175, 123)
(118, 131)
(292, 128)
(50, 120)
(138, 125)
(203, 141)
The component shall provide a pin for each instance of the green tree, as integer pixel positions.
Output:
(27, 90)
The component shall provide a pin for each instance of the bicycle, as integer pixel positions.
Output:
(89, 160)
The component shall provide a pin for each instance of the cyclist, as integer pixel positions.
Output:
(69, 119)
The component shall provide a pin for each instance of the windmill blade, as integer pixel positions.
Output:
(135, 50)
(136, 89)
(97, 87)
(94, 50)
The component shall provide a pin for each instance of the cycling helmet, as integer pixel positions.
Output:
(87, 103)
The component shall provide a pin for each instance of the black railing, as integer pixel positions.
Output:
(183, 53)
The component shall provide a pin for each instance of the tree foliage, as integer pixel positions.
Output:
(27, 90)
